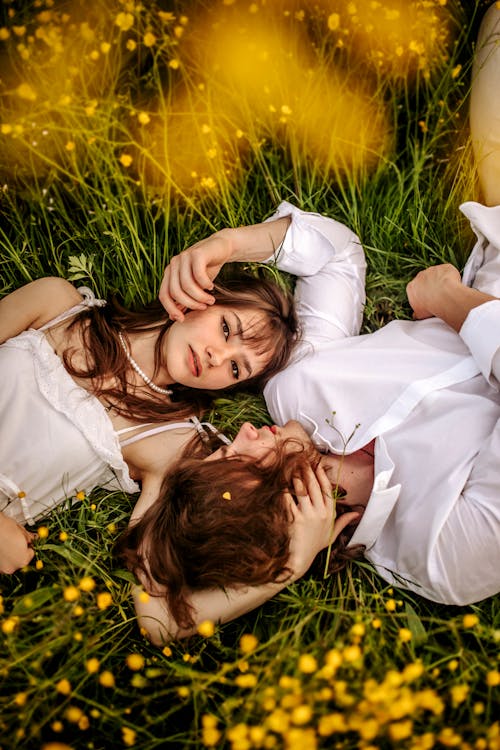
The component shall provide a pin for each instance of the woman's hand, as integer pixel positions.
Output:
(15, 545)
(438, 292)
(313, 516)
(191, 273)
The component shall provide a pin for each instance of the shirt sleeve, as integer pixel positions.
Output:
(481, 333)
(329, 261)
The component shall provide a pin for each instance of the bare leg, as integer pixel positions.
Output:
(485, 106)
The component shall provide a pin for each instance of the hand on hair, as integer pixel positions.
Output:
(191, 273)
(15, 545)
(313, 525)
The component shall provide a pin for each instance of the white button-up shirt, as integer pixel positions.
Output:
(428, 395)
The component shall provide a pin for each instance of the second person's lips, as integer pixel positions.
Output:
(194, 363)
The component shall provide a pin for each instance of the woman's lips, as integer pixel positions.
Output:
(194, 363)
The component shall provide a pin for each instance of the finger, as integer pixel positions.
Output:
(202, 276)
(291, 506)
(299, 489)
(325, 484)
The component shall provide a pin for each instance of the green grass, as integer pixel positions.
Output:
(69, 206)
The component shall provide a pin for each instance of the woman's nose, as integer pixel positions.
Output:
(249, 431)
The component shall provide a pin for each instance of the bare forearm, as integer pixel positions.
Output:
(256, 242)
(455, 305)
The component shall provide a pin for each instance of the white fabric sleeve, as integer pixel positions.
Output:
(481, 333)
(329, 261)
(468, 547)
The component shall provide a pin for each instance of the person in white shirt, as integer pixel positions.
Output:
(422, 396)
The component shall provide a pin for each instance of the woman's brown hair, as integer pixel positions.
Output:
(106, 358)
(218, 523)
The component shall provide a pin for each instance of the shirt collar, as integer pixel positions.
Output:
(381, 501)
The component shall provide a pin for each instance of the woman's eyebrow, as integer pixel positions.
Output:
(239, 332)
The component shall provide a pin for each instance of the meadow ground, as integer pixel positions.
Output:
(128, 131)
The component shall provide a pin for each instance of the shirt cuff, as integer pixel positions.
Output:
(481, 333)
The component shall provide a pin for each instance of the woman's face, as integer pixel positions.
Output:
(258, 443)
(208, 350)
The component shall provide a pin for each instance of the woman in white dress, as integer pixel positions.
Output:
(95, 395)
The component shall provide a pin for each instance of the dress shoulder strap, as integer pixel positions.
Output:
(193, 422)
(89, 300)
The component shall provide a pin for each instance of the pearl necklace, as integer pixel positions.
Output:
(140, 372)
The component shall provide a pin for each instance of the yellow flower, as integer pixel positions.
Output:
(81, 495)
(70, 146)
(405, 635)
(111, 527)
(19, 30)
(6, 128)
(174, 63)
(352, 653)
(71, 594)
(376, 623)
(459, 693)
(453, 665)
(105, 47)
(390, 605)
(149, 39)
(124, 21)
(143, 118)
(4, 34)
(358, 630)
(248, 643)
(301, 714)
(63, 536)
(456, 71)
(87, 583)
(107, 679)
(470, 620)
(166, 16)
(20, 699)
(333, 21)
(206, 628)
(131, 45)
(493, 678)
(42, 532)
(400, 730)
(307, 664)
(73, 714)
(128, 736)
(247, 680)
(64, 687)
(104, 600)
(39, 564)
(167, 651)
(126, 160)
(135, 662)
(92, 665)
(78, 611)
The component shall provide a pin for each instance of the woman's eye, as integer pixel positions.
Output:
(225, 329)
(235, 369)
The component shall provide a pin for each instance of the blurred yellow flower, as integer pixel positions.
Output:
(459, 693)
(87, 583)
(20, 699)
(248, 643)
(10, 624)
(166, 16)
(307, 664)
(333, 21)
(301, 714)
(80, 495)
(390, 605)
(404, 635)
(104, 600)
(131, 45)
(167, 651)
(92, 665)
(107, 679)
(174, 64)
(400, 730)
(376, 623)
(128, 736)
(135, 662)
(4, 34)
(73, 714)
(456, 71)
(63, 687)
(105, 47)
(470, 620)
(126, 160)
(19, 30)
(42, 532)
(78, 610)
(206, 628)
(248, 680)
(39, 564)
(149, 39)
(70, 146)
(493, 678)
(143, 118)
(71, 594)
(63, 536)
(124, 21)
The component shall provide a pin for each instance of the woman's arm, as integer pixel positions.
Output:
(325, 255)
(33, 305)
(312, 529)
